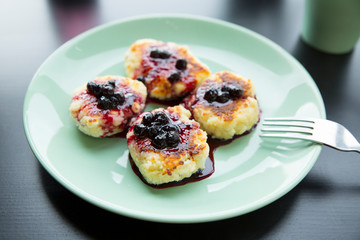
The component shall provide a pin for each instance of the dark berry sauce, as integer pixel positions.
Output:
(162, 62)
(106, 94)
(199, 175)
(209, 163)
(223, 94)
(162, 123)
(214, 94)
(218, 97)
(168, 103)
(125, 105)
(160, 129)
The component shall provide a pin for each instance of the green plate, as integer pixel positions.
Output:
(249, 173)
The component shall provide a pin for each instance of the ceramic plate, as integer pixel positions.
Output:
(249, 173)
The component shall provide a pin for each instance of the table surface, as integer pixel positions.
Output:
(325, 205)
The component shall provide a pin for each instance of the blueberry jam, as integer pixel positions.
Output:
(223, 94)
(156, 53)
(162, 131)
(181, 64)
(199, 175)
(165, 132)
(106, 95)
(161, 63)
(174, 77)
(140, 132)
(117, 99)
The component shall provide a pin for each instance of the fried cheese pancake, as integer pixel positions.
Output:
(168, 70)
(166, 145)
(225, 105)
(105, 105)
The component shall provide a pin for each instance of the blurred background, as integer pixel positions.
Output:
(326, 205)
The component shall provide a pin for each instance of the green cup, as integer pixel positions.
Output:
(332, 26)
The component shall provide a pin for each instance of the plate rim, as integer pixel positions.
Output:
(196, 218)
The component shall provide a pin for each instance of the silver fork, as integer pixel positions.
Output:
(320, 131)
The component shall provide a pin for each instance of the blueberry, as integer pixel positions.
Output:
(223, 97)
(170, 128)
(172, 138)
(211, 95)
(155, 54)
(164, 55)
(104, 103)
(160, 54)
(147, 119)
(225, 88)
(107, 90)
(90, 86)
(93, 88)
(141, 79)
(153, 131)
(181, 64)
(112, 83)
(140, 130)
(118, 98)
(160, 118)
(174, 77)
(159, 141)
(236, 91)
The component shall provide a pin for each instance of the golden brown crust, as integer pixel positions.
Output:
(165, 165)
(226, 111)
(224, 120)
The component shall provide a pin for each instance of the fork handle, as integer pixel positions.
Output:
(353, 149)
(357, 150)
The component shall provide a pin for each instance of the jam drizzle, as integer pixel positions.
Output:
(161, 63)
(199, 175)
(91, 105)
(209, 163)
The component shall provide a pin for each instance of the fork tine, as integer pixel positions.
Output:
(288, 135)
(289, 121)
(287, 129)
(320, 131)
(289, 124)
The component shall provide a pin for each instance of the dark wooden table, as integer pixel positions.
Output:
(325, 205)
